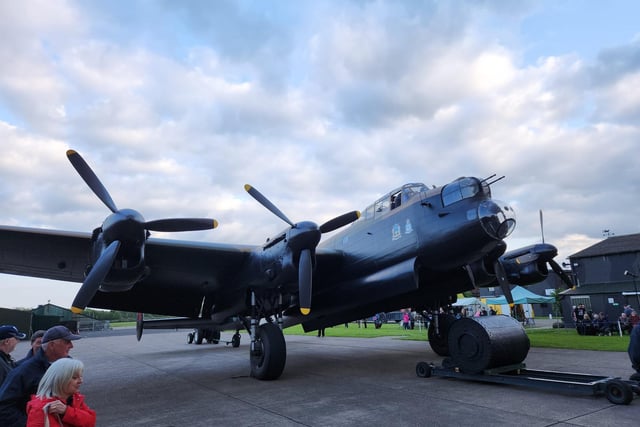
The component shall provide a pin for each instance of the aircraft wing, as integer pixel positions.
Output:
(181, 273)
(48, 254)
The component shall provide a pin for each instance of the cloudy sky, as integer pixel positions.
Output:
(323, 106)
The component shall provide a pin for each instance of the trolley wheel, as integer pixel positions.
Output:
(618, 392)
(423, 370)
(190, 337)
(235, 341)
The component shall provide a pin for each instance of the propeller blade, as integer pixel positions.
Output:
(560, 272)
(304, 282)
(181, 224)
(139, 325)
(91, 179)
(95, 278)
(501, 275)
(267, 204)
(541, 226)
(339, 221)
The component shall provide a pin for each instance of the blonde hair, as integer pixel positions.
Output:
(58, 376)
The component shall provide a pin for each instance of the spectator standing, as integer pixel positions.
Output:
(36, 342)
(57, 402)
(9, 337)
(405, 320)
(634, 352)
(634, 319)
(23, 380)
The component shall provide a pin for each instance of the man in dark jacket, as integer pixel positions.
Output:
(36, 342)
(23, 381)
(634, 352)
(9, 337)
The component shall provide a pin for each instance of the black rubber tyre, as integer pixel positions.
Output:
(235, 341)
(619, 392)
(440, 342)
(271, 353)
(190, 337)
(199, 336)
(423, 370)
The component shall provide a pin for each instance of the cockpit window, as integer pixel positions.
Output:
(462, 188)
(393, 200)
(382, 206)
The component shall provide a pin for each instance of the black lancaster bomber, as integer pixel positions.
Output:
(414, 247)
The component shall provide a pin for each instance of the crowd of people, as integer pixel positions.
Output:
(592, 323)
(42, 389)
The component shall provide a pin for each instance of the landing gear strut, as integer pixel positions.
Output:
(438, 333)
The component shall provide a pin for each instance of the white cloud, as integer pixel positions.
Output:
(323, 107)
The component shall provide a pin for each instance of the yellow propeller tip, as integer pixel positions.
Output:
(305, 311)
(215, 223)
(247, 187)
(77, 310)
(71, 152)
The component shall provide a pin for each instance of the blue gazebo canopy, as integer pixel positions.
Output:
(521, 296)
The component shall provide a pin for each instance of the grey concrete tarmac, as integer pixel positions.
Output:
(163, 381)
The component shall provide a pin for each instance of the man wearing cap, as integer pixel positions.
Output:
(36, 343)
(9, 337)
(23, 381)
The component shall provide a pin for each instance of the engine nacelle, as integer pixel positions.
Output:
(483, 274)
(528, 265)
(526, 273)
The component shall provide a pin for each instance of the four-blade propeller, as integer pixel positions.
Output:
(304, 241)
(122, 226)
(509, 267)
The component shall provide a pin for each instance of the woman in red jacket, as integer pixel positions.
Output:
(57, 402)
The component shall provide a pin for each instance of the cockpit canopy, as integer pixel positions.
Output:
(463, 188)
(393, 200)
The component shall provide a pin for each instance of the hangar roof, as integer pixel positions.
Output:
(611, 245)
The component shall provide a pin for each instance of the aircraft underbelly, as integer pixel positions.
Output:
(391, 281)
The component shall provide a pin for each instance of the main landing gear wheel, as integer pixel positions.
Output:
(618, 392)
(199, 336)
(439, 341)
(270, 353)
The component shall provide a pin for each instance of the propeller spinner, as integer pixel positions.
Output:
(304, 242)
(121, 228)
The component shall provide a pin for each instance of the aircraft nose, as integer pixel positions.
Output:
(497, 218)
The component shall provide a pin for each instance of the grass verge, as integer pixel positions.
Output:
(539, 337)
